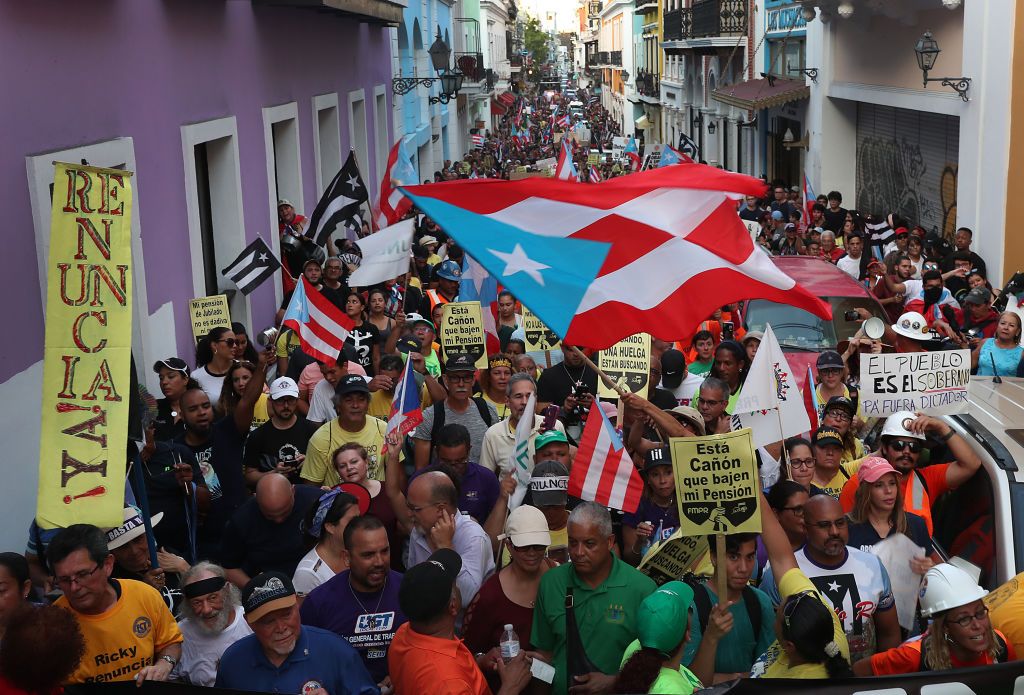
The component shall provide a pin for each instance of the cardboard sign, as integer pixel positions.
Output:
(933, 383)
(87, 351)
(546, 163)
(594, 158)
(754, 228)
(462, 332)
(628, 363)
(674, 557)
(208, 313)
(538, 336)
(716, 483)
(465, 167)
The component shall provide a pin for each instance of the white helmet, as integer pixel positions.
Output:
(912, 325)
(946, 586)
(894, 425)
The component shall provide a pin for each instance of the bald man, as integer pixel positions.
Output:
(432, 503)
(265, 533)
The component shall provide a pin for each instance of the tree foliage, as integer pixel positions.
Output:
(536, 40)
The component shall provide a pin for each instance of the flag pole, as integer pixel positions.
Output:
(608, 381)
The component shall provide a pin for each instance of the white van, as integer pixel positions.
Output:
(576, 108)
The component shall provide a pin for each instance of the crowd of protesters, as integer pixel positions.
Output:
(296, 549)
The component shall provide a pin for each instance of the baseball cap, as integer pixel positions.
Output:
(526, 525)
(132, 528)
(449, 270)
(894, 425)
(428, 240)
(662, 618)
(979, 295)
(827, 436)
(266, 593)
(830, 359)
(840, 402)
(460, 363)
(549, 437)
(361, 494)
(414, 318)
(610, 410)
(753, 335)
(351, 383)
(284, 201)
(549, 484)
(912, 325)
(658, 456)
(175, 364)
(427, 587)
(408, 344)
(673, 364)
(776, 214)
(692, 417)
(283, 386)
(874, 467)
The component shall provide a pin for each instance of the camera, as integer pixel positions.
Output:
(288, 453)
(851, 315)
(267, 337)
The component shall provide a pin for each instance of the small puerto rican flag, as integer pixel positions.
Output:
(406, 411)
(603, 470)
(595, 175)
(478, 141)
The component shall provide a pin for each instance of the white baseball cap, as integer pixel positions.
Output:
(526, 525)
(283, 386)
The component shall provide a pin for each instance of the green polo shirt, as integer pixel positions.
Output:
(606, 616)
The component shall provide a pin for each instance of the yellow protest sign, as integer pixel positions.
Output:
(673, 557)
(87, 353)
(538, 336)
(208, 313)
(716, 483)
(594, 158)
(462, 332)
(627, 362)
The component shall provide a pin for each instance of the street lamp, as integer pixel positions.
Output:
(712, 127)
(439, 53)
(927, 51)
(625, 76)
(450, 82)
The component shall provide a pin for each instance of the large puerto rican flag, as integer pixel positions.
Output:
(603, 470)
(655, 252)
(321, 326)
(477, 285)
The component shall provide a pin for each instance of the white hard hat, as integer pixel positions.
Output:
(894, 425)
(912, 325)
(946, 587)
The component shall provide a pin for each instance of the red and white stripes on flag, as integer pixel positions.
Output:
(321, 326)
(391, 204)
(595, 175)
(603, 470)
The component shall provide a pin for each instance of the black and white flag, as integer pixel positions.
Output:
(340, 204)
(254, 265)
(688, 147)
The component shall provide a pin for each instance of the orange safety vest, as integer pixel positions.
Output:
(436, 298)
(916, 499)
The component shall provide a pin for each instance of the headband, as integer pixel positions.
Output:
(321, 513)
(204, 587)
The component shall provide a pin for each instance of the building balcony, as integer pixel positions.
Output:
(713, 18)
(471, 65)
(677, 24)
(388, 12)
(615, 57)
(648, 84)
(645, 6)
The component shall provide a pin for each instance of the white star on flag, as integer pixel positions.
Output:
(518, 261)
(353, 182)
(263, 257)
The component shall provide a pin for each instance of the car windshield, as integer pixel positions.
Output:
(797, 329)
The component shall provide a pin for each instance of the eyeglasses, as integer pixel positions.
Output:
(839, 523)
(900, 445)
(707, 402)
(968, 619)
(459, 378)
(453, 462)
(829, 371)
(801, 463)
(798, 509)
(416, 510)
(791, 605)
(76, 578)
(230, 342)
(839, 415)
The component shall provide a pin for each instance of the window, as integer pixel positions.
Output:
(382, 142)
(787, 58)
(326, 139)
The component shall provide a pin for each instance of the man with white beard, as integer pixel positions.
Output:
(212, 620)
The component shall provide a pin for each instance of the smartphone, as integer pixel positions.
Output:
(550, 417)
(727, 330)
(851, 315)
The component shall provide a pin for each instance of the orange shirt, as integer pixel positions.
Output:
(913, 499)
(906, 658)
(421, 663)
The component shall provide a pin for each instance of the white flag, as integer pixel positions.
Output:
(385, 255)
(770, 403)
(519, 463)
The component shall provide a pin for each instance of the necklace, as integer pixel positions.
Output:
(379, 598)
(574, 381)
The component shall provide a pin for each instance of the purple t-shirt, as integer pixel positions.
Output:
(367, 621)
(666, 517)
(478, 490)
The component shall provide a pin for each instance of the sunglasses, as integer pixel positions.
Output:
(791, 604)
(230, 342)
(900, 445)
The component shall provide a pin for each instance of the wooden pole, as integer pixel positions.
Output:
(608, 381)
(722, 586)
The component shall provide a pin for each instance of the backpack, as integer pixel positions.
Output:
(702, 602)
(439, 416)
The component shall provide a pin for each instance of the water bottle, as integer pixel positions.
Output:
(509, 644)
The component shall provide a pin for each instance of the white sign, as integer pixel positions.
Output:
(934, 383)
(385, 255)
(548, 163)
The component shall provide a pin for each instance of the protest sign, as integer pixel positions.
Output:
(208, 313)
(546, 163)
(933, 383)
(462, 332)
(87, 350)
(628, 363)
(754, 228)
(716, 483)
(895, 553)
(538, 336)
(594, 158)
(673, 557)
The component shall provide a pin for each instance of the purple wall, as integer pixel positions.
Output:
(77, 73)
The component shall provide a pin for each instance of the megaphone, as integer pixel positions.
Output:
(874, 328)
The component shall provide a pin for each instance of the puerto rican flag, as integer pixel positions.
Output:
(406, 409)
(477, 285)
(811, 403)
(633, 153)
(478, 141)
(603, 470)
(566, 169)
(809, 199)
(321, 326)
(563, 120)
(671, 155)
(392, 204)
(655, 252)
(595, 175)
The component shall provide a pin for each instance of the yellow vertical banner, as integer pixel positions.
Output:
(87, 354)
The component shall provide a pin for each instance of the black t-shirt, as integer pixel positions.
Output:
(662, 398)
(336, 297)
(166, 496)
(751, 215)
(556, 383)
(834, 221)
(165, 428)
(255, 544)
(267, 444)
(362, 338)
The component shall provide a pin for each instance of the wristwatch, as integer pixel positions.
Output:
(946, 437)
(169, 659)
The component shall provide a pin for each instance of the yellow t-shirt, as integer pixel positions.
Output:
(259, 412)
(559, 543)
(501, 408)
(380, 403)
(835, 486)
(124, 639)
(776, 661)
(318, 466)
